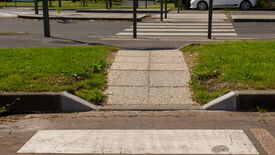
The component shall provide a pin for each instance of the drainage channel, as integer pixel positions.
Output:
(64, 102)
(256, 100)
(42, 102)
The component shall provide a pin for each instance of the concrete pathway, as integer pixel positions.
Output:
(149, 78)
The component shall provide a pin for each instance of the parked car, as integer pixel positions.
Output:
(242, 4)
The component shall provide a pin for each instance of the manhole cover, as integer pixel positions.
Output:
(220, 148)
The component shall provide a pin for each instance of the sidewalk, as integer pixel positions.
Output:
(149, 80)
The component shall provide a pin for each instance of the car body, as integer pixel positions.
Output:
(242, 4)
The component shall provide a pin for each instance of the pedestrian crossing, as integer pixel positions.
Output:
(181, 26)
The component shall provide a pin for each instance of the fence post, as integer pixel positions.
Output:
(210, 19)
(178, 6)
(161, 10)
(106, 4)
(165, 8)
(46, 19)
(59, 3)
(135, 18)
(36, 7)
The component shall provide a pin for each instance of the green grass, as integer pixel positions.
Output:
(222, 67)
(91, 5)
(54, 3)
(8, 32)
(78, 70)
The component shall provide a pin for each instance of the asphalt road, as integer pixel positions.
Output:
(78, 33)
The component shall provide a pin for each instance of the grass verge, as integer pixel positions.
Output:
(78, 70)
(6, 33)
(222, 67)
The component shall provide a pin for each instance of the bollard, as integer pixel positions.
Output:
(36, 7)
(50, 3)
(178, 6)
(59, 3)
(46, 19)
(161, 10)
(106, 4)
(135, 18)
(146, 4)
(210, 19)
(186, 4)
(181, 5)
(110, 1)
(165, 8)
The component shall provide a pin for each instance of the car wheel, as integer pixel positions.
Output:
(245, 5)
(202, 6)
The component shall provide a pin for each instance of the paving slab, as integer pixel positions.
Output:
(168, 67)
(128, 78)
(167, 60)
(169, 78)
(130, 66)
(134, 73)
(165, 54)
(127, 95)
(122, 59)
(133, 53)
(169, 95)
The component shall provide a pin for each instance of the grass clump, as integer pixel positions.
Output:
(222, 67)
(8, 32)
(78, 70)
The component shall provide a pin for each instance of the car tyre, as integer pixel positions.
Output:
(202, 6)
(245, 5)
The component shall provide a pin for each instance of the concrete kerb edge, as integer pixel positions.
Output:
(225, 102)
(71, 103)
(65, 102)
(79, 18)
(231, 101)
(118, 11)
(156, 107)
(252, 20)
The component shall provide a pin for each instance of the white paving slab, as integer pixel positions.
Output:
(176, 34)
(140, 142)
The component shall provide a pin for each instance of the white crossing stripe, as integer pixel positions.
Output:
(140, 142)
(175, 34)
(182, 30)
(189, 27)
(183, 24)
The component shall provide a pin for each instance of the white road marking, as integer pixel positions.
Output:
(190, 27)
(183, 24)
(175, 34)
(181, 30)
(7, 15)
(140, 142)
